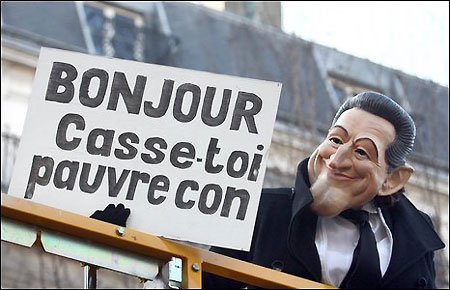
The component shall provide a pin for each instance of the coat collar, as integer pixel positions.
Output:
(413, 234)
(302, 227)
(302, 186)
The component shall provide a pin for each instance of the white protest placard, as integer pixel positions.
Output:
(185, 150)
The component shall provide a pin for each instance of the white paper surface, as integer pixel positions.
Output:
(189, 217)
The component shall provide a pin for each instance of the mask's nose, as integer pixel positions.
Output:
(341, 159)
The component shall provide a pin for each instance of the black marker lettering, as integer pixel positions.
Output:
(248, 115)
(207, 117)
(232, 162)
(114, 185)
(231, 195)
(135, 177)
(125, 139)
(177, 152)
(102, 76)
(84, 177)
(61, 133)
(70, 181)
(212, 151)
(202, 206)
(120, 87)
(179, 202)
(105, 149)
(181, 92)
(158, 154)
(161, 110)
(155, 185)
(38, 163)
(56, 80)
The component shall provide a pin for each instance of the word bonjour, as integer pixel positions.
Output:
(133, 99)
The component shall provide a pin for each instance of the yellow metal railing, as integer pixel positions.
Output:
(195, 260)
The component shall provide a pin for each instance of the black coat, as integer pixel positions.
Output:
(284, 239)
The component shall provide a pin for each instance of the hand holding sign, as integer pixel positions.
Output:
(112, 214)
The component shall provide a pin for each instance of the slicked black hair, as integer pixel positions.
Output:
(384, 107)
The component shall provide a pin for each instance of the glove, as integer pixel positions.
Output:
(112, 214)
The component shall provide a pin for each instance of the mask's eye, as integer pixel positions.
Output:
(335, 140)
(361, 153)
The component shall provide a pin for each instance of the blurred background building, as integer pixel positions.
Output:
(234, 38)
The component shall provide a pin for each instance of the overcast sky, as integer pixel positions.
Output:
(409, 36)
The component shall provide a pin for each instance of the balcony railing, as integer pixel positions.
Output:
(10, 144)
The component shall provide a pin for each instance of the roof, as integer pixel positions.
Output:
(44, 23)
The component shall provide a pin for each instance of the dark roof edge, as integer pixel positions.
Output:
(232, 17)
(25, 36)
(381, 66)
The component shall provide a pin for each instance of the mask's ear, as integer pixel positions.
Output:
(396, 180)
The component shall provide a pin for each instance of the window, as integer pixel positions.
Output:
(116, 32)
(346, 88)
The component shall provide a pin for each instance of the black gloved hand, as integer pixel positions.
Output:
(112, 214)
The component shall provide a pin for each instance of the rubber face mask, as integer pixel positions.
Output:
(349, 167)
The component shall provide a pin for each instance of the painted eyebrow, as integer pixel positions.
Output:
(371, 141)
(364, 138)
(339, 126)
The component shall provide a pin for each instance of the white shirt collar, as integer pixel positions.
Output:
(336, 257)
(370, 207)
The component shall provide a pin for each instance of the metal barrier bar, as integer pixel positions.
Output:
(90, 277)
(194, 259)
